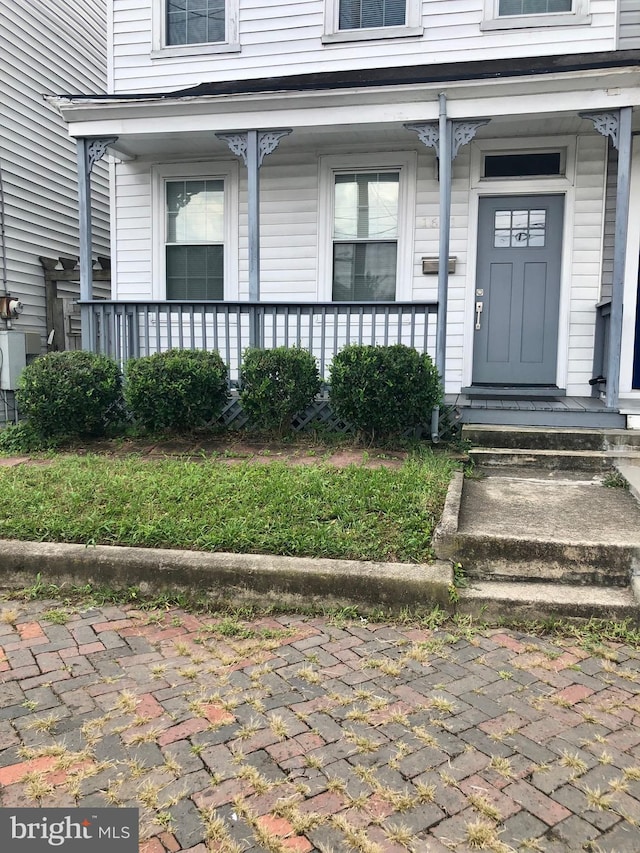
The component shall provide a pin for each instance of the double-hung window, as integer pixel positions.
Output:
(515, 14)
(365, 236)
(372, 19)
(367, 205)
(194, 26)
(195, 21)
(195, 232)
(195, 239)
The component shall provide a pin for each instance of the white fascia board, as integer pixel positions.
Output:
(418, 102)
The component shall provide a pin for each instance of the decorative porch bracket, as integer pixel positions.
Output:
(616, 125)
(253, 146)
(447, 136)
(88, 152)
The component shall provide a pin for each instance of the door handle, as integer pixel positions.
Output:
(479, 309)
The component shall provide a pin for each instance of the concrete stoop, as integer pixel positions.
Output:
(536, 532)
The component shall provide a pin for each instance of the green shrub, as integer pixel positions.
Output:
(21, 438)
(383, 391)
(176, 389)
(74, 393)
(277, 384)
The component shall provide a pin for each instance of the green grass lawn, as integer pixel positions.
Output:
(318, 511)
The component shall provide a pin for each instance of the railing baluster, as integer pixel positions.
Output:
(123, 329)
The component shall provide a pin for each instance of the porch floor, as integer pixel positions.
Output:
(553, 412)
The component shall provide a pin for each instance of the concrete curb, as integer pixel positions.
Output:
(445, 542)
(240, 578)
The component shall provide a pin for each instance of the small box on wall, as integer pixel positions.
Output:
(430, 265)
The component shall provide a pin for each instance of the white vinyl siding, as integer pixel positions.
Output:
(283, 38)
(46, 47)
(629, 25)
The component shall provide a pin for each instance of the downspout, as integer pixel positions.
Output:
(3, 238)
(444, 174)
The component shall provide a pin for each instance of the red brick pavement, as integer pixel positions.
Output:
(293, 734)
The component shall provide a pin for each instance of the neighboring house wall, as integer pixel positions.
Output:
(46, 47)
(629, 24)
(287, 38)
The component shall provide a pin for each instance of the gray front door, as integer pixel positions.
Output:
(518, 290)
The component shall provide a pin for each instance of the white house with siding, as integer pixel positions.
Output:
(460, 175)
(46, 46)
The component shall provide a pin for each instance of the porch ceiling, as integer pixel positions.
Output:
(189, 143)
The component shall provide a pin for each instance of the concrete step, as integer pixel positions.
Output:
(551, 438)
(567, 460)
(540, 601)
(630, 470)
(524, 559)
(522, 525)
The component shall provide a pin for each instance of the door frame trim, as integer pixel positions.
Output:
(521, 188)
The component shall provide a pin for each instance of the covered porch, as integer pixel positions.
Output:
(280, 153)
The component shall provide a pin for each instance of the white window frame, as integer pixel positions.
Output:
(578, 16)
(161, 50)
(226, 171)
(403, 162)
(333, 33)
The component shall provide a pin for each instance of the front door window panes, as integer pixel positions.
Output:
(519, 229)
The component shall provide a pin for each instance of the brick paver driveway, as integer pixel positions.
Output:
(295, 734)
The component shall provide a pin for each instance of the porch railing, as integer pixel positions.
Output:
(127, 330)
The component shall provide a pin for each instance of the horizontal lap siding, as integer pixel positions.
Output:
(285, 38)
(46, 47)
(586, 265)
(133, 273)
(629, 24)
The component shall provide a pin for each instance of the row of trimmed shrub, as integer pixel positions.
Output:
(380, 391)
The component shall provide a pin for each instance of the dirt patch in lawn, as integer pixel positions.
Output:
(240, 449)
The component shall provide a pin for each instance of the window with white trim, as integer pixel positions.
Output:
(516, 14)
(372, 19)
(195, 21)
(195, 232)
(367, 223)
(365, 236)
(195, 239)
(192, 27)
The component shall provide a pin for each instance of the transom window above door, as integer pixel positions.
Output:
(347, 20)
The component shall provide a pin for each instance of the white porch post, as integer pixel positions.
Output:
(253, 146)
(617, 126)
(88, 153)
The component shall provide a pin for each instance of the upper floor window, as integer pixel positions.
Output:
(195, 21)
(358, 14)
(517, 14)
(186, 27)
(533, 7)
(356, 20)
